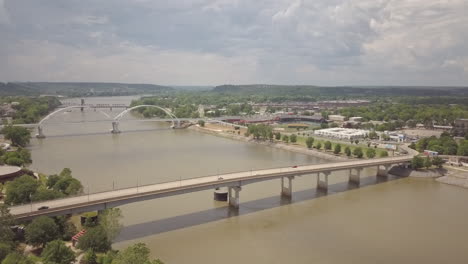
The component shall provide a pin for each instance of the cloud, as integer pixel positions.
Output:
(330, 42)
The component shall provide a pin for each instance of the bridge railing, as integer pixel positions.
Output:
(281, 169)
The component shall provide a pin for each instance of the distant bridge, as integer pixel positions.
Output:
(233, 181)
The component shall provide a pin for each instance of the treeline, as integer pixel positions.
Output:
(441, 114)
(79, 89)
(31, 109)
(47, 236)
(444, 145)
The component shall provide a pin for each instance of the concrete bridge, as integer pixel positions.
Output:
(233, 181)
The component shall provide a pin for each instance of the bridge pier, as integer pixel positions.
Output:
(233, 193)
(82, 104)
(356, 176)
(40, 133)
(382, 170)
(115, 127)
(286, 191)
(322, 184)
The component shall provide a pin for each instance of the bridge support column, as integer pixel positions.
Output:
(355, 176)
(382, 170)
(40, 133)
(115, 127)
(82, 103)
(286, 191)
(233, 193)
(322, 184)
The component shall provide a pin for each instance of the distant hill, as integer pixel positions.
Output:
(342, 90)
(79, 89)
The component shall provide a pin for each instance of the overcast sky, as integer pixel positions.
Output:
(211, 42)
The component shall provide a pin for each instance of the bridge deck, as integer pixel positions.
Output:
(122, 196)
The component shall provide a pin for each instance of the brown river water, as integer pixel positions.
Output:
(394, 220)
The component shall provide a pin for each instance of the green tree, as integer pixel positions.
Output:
(356, 141)
(135, 254)
(96, 239)
(438, 161)
(16, 258)
(6, 220)
(56, 252)
(90, 257)
(384, 154)
(337, 149)
(293, 138)
(318, 146)
(463, 148)
(347, 150)
(427, 162)
(285, 138)
(201, 123)
(357, 152)
(19, 136)
(110, 222)
(373, 135)
(41, 230)
(370, 153)
(44, 194)
(20, 190)
(278, 136)
(417, 162)
(310, 142)
(328, 145)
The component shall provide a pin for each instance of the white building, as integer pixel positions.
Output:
(356, 119)
(342, 133)
(336, 118)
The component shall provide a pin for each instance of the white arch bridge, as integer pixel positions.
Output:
(115, 121)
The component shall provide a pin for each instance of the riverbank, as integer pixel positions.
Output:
(289, 147)
(455, 176)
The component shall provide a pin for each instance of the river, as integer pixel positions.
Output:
(399, 220)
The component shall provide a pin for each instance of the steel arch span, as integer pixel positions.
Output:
(40, 124)
(115, 123)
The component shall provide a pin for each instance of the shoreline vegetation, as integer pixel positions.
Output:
(274, 144)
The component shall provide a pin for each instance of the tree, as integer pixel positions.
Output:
(310, 142)
(56, 252)
(318, 146)
(438, 161)
(328, 145)
(356, 141)
(427, 162)
(19, 136)
(96, 239)
(201, 123)
(357, 152)
(293, 138)
(417, 162)
(278, 136)
(6, 220)
(20, 190)
(370, 153)
(110, 222)
(41, 230)
(337, 149)
(347, 150)
(135, 254)
(463, 148)
(384, 154)
(285, 138)
(5, 249)
(90, 257)
(373, 135)
(16, 258)
(412, 145)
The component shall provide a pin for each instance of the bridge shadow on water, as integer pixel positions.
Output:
(183, 221)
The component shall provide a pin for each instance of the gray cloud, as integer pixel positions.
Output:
(331, 42)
